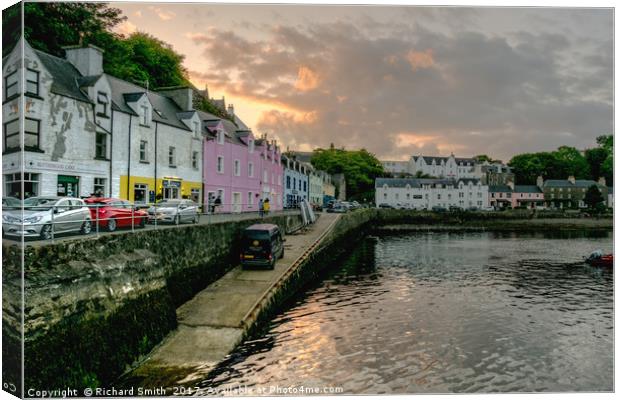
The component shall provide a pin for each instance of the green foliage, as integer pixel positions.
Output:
(559, 164)
(422, 175)
(593, 197)
(483, 158)
(50, 26)
(360, 168)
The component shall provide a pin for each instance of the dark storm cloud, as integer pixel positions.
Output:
(405, 88)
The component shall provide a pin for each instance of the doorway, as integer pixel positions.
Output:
(68, 186)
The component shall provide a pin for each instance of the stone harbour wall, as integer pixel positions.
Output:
(93, 306)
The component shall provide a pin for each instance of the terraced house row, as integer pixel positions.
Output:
(87, 132)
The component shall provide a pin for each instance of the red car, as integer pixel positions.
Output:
(115, 213)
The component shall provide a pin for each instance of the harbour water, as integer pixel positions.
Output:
(442, 313)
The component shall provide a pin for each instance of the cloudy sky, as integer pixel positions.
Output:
(400, 80)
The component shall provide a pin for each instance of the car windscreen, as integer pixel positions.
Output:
(39, 203)
(168, 204)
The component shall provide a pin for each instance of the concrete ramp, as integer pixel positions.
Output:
(213, 323)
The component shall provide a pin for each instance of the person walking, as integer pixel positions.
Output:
(261, 207)
(266, 207)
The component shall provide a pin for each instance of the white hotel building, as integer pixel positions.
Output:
(424, 194)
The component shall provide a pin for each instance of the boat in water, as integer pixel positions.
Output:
(598, 259)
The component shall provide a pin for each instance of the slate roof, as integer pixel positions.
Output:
(580, 183)
(527, 189)
(418, 182)
(429, 160)
(65, 76)
(86, 81)
(165, 109)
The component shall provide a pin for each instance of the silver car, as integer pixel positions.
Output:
(174, 211)
(41, 215)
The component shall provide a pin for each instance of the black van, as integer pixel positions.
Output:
(261, 244)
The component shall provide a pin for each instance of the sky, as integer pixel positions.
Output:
(399, 80)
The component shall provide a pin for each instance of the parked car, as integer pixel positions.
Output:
(11, 202)
(43, 214)
(338, 208)
(385, 205)
(355, 205)
(110, 213)
(174, 211)
(261, 244)
(439, 209)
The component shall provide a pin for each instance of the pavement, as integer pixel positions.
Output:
(211, 324)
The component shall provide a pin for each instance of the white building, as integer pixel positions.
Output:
(396, 167)
(444, 167)
(424, 194)
(86, 131)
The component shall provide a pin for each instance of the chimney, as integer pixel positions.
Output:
(540, 182)
(183, 96)
(231, 110)
(602, 181)
(88, 60)
(571, 179)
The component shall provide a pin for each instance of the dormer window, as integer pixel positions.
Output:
(145, 116)
(220, 137)
(10, 85)
(196, 128)
(102, 104)
(32, 82)
(251, 145)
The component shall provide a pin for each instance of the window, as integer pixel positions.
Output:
(10, 85)
(195, 159)
(251, 169)
(99, 186)
(384, 196)
(172, 159)
(13, 185)
(288, 182)
(265, 176)
(145, 116)
(305, 186)
(102, 104)
(196, 128)
(237, 168)
(220, 194)
(220, 164)
(31, 138)
(11, 135)
(101, 145)
(251, 145)
(143, 151)
(139, 193)
(250, 199)
(280, 180)
(32, 82)
(220, 137)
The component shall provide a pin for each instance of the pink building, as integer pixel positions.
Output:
(238, 168)
(512, 196)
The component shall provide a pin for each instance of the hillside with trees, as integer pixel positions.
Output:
(360, 168)
(138, 58)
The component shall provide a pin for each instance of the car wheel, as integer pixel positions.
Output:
(46, 232)
(111, 225)
(86, 227)
(177, 219)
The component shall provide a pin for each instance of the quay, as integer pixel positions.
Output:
(217, 319)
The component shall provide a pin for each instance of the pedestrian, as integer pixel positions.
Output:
(261, 207)
(218, 203)
(211, 204)
(266, 207)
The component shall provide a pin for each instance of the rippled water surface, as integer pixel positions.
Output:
(443, 312)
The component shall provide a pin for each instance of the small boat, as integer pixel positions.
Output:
(598, 259)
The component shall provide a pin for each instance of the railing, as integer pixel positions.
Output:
(47, 222)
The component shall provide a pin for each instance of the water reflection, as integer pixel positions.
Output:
(444, 312)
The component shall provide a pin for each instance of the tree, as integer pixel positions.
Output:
(360, 169)
(559, 164)
(483, 157)
(52, 25)
(593, 197)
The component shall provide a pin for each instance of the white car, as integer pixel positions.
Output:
(174, 211)
(46, 216)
